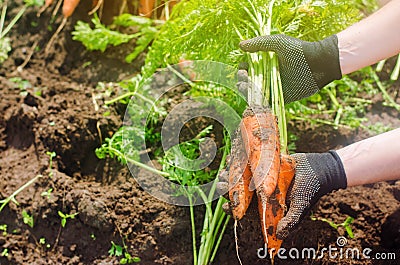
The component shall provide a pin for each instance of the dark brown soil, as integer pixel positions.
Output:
(67, 118)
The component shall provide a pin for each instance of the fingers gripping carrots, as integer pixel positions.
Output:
(267, 171)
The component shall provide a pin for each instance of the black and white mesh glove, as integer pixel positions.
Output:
(305, 67)
(316, 175)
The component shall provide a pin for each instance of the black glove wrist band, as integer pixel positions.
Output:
(330, 170)
(323, 60)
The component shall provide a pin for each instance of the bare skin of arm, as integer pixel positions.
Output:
(372, 160)
(374, 38)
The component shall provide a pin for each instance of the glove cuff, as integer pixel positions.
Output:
(323, 60)
(330, 171)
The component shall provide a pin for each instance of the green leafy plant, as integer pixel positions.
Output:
(42, 241)
(117, 251)
(4, 253)
(215, 220)
(47, 193)
(183, 37)
(22, 84)
(51, 155)
(101, 36)
(3, 228)
(27, 219)
(346, 224)
(64, 217)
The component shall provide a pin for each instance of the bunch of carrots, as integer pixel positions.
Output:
(146, 8)
(257, 165)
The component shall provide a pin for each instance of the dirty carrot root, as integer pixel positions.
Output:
(52, 39)
(257, 164)
(96, 4)
(274, 210)
(67, 10)
(260, 136)
(286, 174)
(239, 179)
(47, 3)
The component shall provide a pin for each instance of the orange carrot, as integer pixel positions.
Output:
(276, 207)
(69, 7)
(260, 135)
(146, 7)
(270, 173)
(261, 140)
(265, 170)
(239, 179)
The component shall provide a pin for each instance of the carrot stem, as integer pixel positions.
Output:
(191, 207)
(2, 18)
(396, 70)
(13, 21)
(221, 233)
(137, 163)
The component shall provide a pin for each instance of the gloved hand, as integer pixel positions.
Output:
(316, 174)
(305, 67)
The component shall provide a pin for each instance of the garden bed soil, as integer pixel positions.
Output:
(67, 118)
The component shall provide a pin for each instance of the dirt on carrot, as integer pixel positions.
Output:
(275, 207)
(260, 136)
(257, 164)
(240, 175)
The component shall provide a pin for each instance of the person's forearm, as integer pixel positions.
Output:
(372, 39)
(372, 160)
